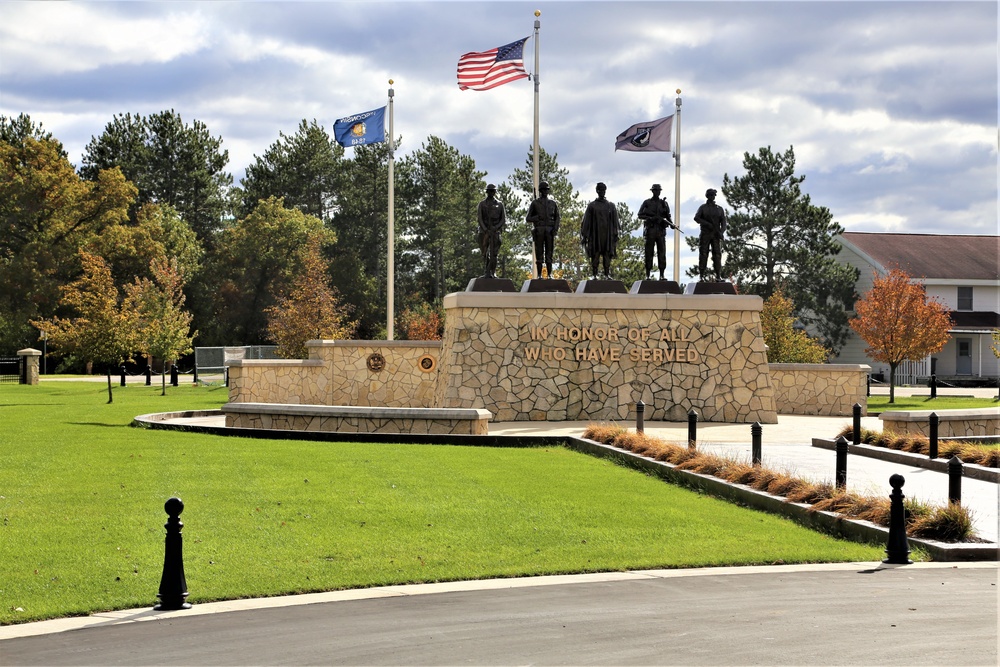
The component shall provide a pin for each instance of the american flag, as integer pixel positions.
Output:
(489, 69)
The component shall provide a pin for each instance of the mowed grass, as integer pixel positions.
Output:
(82, 493)
(880, 404)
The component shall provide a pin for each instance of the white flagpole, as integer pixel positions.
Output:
(390, 281)
(677, 191)
(534, 149)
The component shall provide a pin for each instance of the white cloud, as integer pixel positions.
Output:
(56, 37)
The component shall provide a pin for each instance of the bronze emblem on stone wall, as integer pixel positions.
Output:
(426, 363)
(376, 362)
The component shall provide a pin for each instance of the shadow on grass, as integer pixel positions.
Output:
(99, 424)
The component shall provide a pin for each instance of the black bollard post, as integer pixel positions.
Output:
(756, 431)
(856, 410)
(933, 384)
(149, 375)
(173, 586)
(897, 549)
(640, 408)
(123, 375)
(173, 375)
(868, 385)
(955, 471)
(225, 374)
(934, 421)
(692, 429)
(841, 473)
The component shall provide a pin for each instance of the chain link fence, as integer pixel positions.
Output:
(210, 362)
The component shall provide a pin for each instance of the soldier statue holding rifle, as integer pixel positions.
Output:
(655, 216)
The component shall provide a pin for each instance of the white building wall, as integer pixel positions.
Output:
(985, 298)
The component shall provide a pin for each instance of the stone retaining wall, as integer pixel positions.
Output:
(342, 372)
(349, 419)
(951, 423)
(564, 357)
(819, 389)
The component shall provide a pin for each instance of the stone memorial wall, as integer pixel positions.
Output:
(565, 357)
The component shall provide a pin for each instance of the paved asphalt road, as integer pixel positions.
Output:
(843, 614)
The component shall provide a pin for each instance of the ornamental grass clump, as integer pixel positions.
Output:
(969, 452)
(951, 523)
(922, 520)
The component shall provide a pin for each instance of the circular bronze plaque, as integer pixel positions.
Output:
(376, 362)
(426, 363)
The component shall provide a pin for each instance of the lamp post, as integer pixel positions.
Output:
(45, 351)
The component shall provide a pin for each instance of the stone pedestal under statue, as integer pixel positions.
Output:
(709, 287)
(484, 284)
(546, 285)
(655, 287)
(571, 356)
(601, 286)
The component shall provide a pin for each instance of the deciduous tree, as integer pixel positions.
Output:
(785, 343)
(899, 322)
(46, 214)
(104, 330)
(421, 322)
(311, 310)
(131, 250)
(255, 263)
(163, 325)
(776, 233)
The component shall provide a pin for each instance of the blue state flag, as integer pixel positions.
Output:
(361, 128)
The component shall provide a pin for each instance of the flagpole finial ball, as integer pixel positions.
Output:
(392, 82)
(678, 90)
(538, 12)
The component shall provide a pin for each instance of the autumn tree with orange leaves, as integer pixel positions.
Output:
(312, 310)
(106, 330)
(900, 323)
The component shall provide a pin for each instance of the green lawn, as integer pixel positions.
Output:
(82, 493)
(879, 404)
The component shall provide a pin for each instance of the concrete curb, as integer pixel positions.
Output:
(970, 470)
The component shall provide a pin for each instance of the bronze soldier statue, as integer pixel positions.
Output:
(543, 214)
(712, 219)
(599, 232)
(492, 222)
(655, 216)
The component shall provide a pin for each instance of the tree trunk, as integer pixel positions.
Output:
(110, 395)
(163, 380)
(892, 383)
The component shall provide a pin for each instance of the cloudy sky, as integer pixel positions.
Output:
(891, 106)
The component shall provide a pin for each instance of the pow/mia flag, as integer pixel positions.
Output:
(651, 136)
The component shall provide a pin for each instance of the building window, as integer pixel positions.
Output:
(964, 298)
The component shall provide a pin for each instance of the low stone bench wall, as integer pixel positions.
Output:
(352, 419)
(819, 389)
(951, 423)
